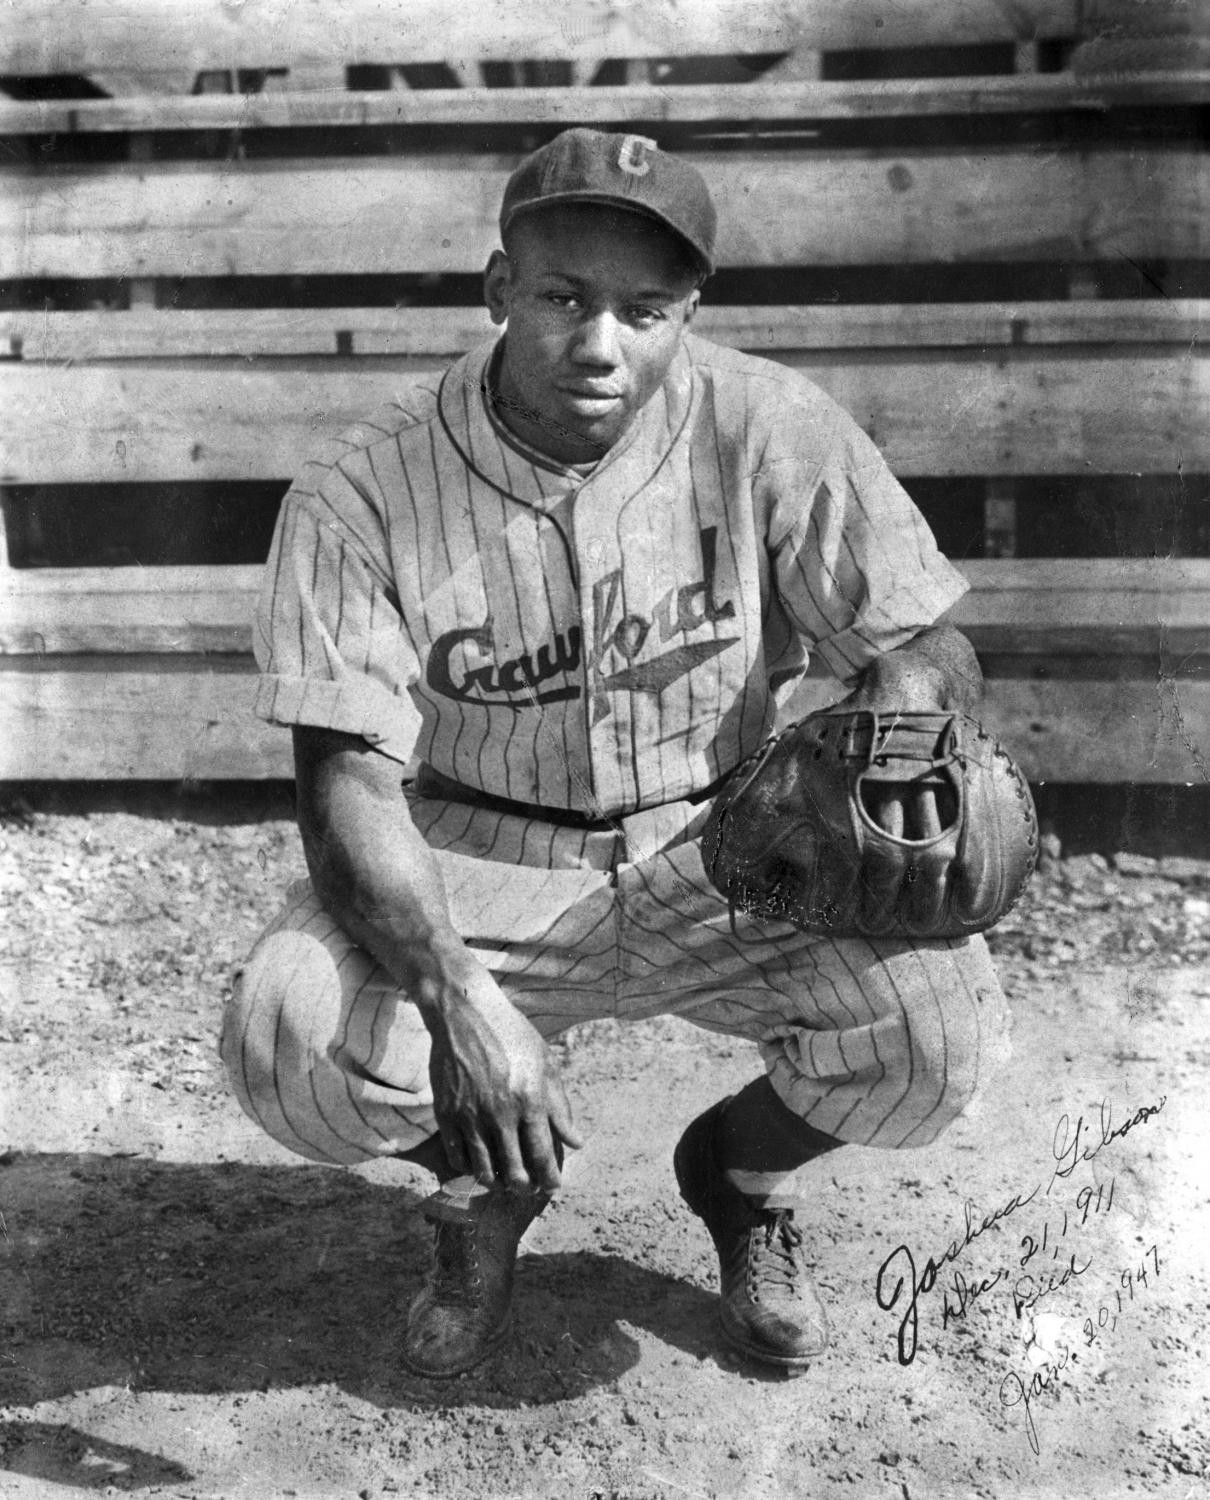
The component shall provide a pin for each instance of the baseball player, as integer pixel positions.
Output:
(522, 622)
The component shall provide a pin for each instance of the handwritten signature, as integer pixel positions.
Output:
(898, 1282)
(1071, 1146)
(908, 1335)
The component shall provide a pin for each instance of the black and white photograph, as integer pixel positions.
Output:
(604, 737)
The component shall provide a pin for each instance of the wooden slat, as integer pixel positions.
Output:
(94, 718)
(128, 610)
(438, 214)
(1101, 607)
(1095, 606)
(252, 332)
(756, 107)
(1148, 731)
(80, 36)
(1029, 412)
(450, 330)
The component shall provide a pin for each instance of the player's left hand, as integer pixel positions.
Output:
(901, 683)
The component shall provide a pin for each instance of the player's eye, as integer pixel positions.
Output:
(567, 300)
(645, 316)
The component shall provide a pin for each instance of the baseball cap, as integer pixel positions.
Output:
(628, 171)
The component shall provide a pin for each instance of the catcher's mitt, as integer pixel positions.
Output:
(863, 824)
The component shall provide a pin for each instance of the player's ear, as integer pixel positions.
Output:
(691, 306)
(498, 285)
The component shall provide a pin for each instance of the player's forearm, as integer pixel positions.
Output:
(936, 669)
(372, 870)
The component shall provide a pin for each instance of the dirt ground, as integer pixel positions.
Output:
(188, 1311)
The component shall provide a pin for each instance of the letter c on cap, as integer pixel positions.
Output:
(630, 157)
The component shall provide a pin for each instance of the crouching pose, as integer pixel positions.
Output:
(567, 586)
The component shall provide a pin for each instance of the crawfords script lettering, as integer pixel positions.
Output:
(624, 652)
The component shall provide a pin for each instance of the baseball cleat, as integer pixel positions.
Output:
(462, 1313)
(769, 1307)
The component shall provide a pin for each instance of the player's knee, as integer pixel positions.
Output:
(949, 1071)
(287, 993)
(945, 1064)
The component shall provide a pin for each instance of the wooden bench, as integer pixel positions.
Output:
(147, 47)
(1064, 184)
(134, 48)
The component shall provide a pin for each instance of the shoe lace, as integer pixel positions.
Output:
(457, 1280)
(774, 1253)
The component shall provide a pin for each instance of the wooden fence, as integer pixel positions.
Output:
(1002, 276)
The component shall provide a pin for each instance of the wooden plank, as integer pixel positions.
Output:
(1029, 411)
(79, 36)
(251, 333)
(438, 214)
(1142, 18)
(97, 719)
(129, 610)
(756, 106)
(1097, 606)
(1040, 606)
(1157, 731)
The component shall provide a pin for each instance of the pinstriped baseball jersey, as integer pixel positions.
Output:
(607, 638)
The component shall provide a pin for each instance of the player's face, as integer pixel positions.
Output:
(596, 301)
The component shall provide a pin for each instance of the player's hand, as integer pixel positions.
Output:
(901, 682)
(497, 1094)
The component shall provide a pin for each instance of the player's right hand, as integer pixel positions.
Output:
(500, 1104)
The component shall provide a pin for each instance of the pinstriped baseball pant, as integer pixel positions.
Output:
(877, 1043)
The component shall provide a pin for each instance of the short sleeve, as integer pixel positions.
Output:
(857, 570)
(329, 638)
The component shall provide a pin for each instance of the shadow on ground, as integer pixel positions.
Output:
(58, 1454)
(220, 1278)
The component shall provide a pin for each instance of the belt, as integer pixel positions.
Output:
(430, 782)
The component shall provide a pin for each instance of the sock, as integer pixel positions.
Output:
(761, 1142)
